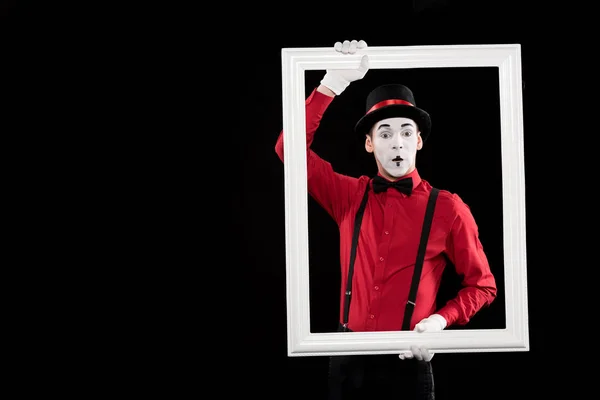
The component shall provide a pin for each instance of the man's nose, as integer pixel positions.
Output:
(397, 145)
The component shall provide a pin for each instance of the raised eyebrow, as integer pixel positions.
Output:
(401, 126)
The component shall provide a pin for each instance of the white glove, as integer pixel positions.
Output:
(420, 353)
(338, 79)
(433, 323)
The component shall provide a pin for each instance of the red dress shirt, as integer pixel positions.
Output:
(389, 239)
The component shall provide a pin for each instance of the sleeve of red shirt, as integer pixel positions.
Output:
(330, 189)
(464, 249)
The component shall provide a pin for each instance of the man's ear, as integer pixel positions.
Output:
(419, 141)
(368, 144)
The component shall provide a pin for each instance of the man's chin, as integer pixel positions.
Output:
(396, 173)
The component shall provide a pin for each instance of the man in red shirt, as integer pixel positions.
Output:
(377, 269)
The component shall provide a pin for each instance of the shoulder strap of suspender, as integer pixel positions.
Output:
(412, 295)
(355, 233)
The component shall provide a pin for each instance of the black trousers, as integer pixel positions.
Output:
(382, 377)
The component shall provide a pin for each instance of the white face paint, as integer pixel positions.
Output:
(395, 143)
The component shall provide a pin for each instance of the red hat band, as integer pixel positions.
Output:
(389, 102)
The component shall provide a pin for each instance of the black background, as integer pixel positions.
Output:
(198, 301)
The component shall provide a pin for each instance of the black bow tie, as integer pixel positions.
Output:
(381, 184)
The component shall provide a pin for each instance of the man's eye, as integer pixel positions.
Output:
(385, 135)
(407, 133)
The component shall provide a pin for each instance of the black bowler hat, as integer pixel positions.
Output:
(389, 101)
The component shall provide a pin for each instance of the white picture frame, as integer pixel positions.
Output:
(515, 336)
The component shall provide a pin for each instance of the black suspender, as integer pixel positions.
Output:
(412, 295)
(410, 304)
(357, 223)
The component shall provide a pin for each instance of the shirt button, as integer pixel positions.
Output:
(376, 288)
(371, 316)
(380, 258)
(387, 232)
